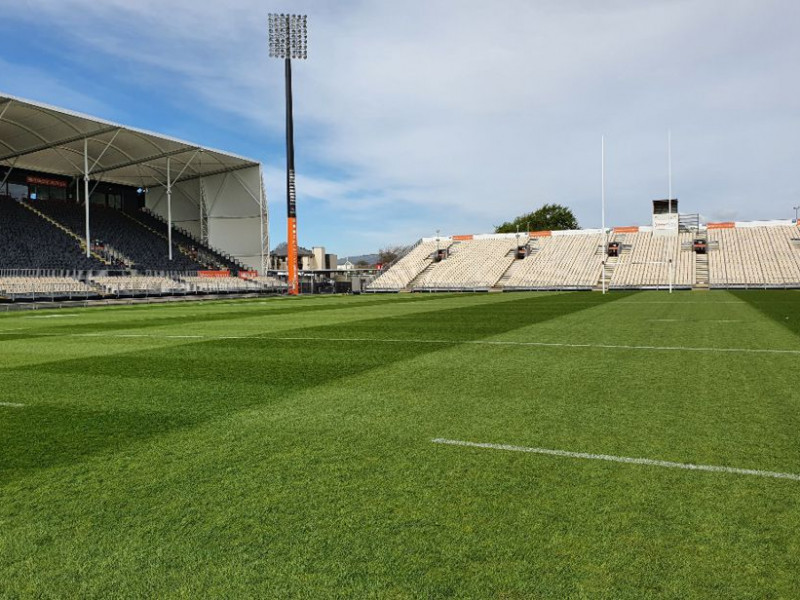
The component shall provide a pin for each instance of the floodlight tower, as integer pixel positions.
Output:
(288, 39)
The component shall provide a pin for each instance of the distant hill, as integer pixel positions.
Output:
(367, 258)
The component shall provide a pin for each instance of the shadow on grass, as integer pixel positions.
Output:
(782, 306)
(151, 392)
(280, 309)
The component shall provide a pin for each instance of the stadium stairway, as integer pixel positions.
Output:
(501, 283)
(207, 254)
(420, 276)
(165, 237)
(607, 273)
(701, 271)
(80, 241)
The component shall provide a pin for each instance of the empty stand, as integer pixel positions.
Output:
(44, 287)
(138, 285)
(475, 264)
(754, 257)
(267, 282)
(220, 284)
(569, 261)
(645, 262)
(142, 247)
(27, 241)
(408, 268)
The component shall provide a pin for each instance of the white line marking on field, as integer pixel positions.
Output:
(621, 459)
(49, 316)
(11, 404)
(695, 320)
(167, 336)
(536, 344)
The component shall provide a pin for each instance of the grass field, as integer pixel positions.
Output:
(283, 447)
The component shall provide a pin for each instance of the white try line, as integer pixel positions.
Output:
(168, 336)
(11, 404)
(621, 459)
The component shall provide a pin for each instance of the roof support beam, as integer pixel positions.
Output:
(108, 145)
(57, 143)
(8, 173)
(5, 108)
(86, 195)
(217, 172)
(152, 157)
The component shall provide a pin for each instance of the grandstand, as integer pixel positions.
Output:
(161, 214)
(31, 288)
(653, 262)
(140, 247)
(754, 255)
(476, 264)
(29, 242)
(168, 217)
(558, 260)
(759, 254)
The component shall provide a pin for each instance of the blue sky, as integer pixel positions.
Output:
(455, 115)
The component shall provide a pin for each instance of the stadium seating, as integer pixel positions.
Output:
(471, 264)
(559, 262)
(219, 284)
(145, 249)
(204, 254)
(49, 287)
(404, 271)
(139, 284)
(266, 282)
(644, 262)
(41, 247)
(29, 242)
(754, 257)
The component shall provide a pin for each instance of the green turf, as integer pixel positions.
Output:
(286, 451)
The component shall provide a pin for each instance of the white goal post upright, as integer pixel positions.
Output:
(603, 210)
(669, 200)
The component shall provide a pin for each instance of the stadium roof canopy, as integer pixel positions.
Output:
(43, 138)
(216, 195)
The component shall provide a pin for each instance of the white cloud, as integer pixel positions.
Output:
(463, 114)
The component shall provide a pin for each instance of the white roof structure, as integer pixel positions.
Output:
(216, 195)
(43, 138)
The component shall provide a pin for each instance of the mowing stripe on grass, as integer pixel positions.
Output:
(11, 404)
(169, 336)
(621, 459)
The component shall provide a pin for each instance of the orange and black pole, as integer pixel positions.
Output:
(288, 39)
(291, 195)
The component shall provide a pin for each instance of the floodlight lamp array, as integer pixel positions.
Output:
(288, 36)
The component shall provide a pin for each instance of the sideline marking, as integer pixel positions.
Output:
(11, 404)
(167, 336)
(622, 459)
(51, 316)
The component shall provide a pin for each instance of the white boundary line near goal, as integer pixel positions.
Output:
(11, 404)
(168, 336)
(621, 459)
